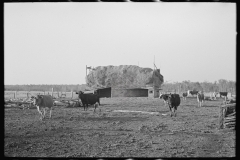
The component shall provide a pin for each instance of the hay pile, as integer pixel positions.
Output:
(123, 76)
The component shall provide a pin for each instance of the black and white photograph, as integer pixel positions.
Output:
(124, 80)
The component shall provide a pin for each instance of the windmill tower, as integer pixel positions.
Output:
(155, 84)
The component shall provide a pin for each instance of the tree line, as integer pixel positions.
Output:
(221, 85)
(45, 87)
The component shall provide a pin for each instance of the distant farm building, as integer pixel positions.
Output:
(104, 92)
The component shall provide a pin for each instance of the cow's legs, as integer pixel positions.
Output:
(39, 112)
(95, 105)
(44, 112)
(50, 112)
(170, 111)
(175, 112)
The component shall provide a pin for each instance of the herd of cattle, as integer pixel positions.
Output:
(43, 102)
(173, 100)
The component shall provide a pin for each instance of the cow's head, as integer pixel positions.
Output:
(37, 100)
(169, 98)
(161, 95)
(80, 93)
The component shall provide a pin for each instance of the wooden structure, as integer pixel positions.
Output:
(104, 92)
(227, 116)
(129, 92)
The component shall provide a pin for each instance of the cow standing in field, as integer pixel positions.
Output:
(214, 95)
(184, 96)
(173, 102)
(164, 97)
(200, 98)
(194, 92)
(43, 102)
(88, 99)
(224, 94)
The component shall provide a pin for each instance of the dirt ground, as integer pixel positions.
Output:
(73, 132)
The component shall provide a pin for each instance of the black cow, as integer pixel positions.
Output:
(194, 92)
(173, 102)
(88, 99)
(223, 94)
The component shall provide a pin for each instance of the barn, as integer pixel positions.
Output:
(129, 92)
(122, 92)
(104, 92)
(151, 89)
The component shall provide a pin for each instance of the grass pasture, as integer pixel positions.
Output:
(73, 132)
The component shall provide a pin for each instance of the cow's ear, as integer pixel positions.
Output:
(41, 96)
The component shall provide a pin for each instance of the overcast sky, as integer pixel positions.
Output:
(51, 43)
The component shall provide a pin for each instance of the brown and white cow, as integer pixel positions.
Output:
(173, 102)
(184, 95)
(214, 95)
(164, 97)
(194, 92)
(200, 99)
(43, 102)
(224, 94)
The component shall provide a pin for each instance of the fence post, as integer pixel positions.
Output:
(52, 92)
(15, 95)
(221, 117)
(71, 94)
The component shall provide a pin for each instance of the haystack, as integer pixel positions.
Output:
(123, 76)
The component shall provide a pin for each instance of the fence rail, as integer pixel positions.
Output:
(28, 94)
(21, 98)
(227, 116)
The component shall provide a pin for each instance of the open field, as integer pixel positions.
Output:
(73, 132)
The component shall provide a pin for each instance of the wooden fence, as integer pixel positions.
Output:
(28, 94)
(21, 98)
(227, 116)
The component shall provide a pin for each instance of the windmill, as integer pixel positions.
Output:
(89, 68)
